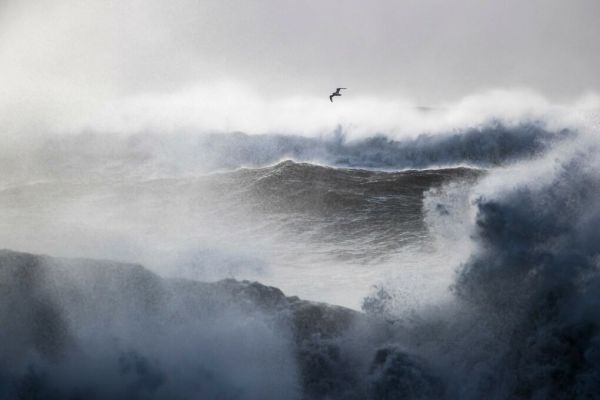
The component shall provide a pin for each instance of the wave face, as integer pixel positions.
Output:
(374, 212)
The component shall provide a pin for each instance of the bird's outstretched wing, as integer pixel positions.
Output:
(331, 98)
(340, 88)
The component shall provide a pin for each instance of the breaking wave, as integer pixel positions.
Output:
(533, 284)
(146, 155)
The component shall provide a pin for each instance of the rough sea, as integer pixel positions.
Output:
(456, 265)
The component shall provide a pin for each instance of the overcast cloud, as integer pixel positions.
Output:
(75, 55)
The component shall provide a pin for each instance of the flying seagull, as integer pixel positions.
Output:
(336, 93)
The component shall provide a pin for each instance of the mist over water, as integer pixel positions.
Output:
(184, 213)
(470, 247)
(209, 206)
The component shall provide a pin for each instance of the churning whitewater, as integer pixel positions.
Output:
(454, 265)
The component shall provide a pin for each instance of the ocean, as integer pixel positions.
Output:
(454, 265)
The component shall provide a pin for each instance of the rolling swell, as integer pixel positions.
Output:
(291, 186)
(374, 212)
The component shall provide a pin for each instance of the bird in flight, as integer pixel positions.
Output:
(336, 93)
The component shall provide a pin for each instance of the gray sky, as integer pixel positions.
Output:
(429, 51)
